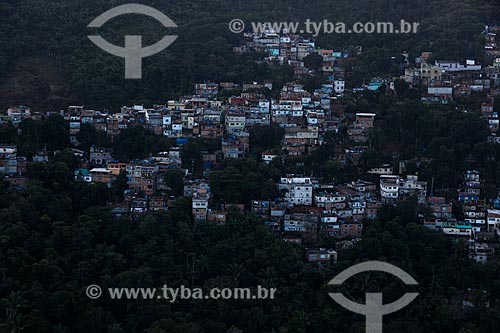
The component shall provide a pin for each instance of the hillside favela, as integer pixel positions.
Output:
(330, 166)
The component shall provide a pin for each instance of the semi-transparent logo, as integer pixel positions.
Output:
(373, 309)
(133, 52)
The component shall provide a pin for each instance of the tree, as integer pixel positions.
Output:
(333, 172)
(313, 82)
(496, 105)
(133, 143)
(175, 180)
(55, 133)
(401, 87)
(314, 61)
(265, 138)
(88, 136)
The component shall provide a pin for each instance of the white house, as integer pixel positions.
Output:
(493, 219)
(299, 190)
(339, 86)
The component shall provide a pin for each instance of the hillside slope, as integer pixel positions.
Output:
(203, 50)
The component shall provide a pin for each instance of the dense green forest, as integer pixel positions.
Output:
(56, 239)
(56, 30)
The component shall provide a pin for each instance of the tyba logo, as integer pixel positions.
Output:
(133, 52)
